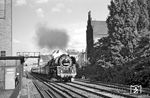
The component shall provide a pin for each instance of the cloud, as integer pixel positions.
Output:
(16, 41)
(58, 7)
(77, 34)
(40, 12)
(42, 1)
(61, 7)
(69, 11)
(20, 2)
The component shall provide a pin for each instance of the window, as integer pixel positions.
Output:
(3, 53)
(2, 9)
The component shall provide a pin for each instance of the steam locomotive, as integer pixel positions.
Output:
(60, 66)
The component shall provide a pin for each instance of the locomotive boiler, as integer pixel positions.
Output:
(60, 66)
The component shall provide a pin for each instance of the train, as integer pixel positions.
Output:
(60, 66)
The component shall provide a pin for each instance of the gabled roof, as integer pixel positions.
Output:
(99, 29)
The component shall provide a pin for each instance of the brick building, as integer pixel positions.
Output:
(5, 27)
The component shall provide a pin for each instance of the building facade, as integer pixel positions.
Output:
(82, 59)
(5, 27)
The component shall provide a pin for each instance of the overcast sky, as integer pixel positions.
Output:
(70, 15)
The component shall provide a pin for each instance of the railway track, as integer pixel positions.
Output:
(67, 92)
(83, 90)
(116, 86)
(82, 93)
(46, 91)
(42, 91)
(99, 91)
(72, 93)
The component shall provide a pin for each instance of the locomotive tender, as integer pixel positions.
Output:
(60, 66)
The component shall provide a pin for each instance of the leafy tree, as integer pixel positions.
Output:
(143, 20)
(122, 31)
(148, 9)
(126, 48)
(102, 51)
(143, 28)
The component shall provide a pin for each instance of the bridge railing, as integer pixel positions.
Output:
(29, 54)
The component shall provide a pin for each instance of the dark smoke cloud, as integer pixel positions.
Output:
(51, 38)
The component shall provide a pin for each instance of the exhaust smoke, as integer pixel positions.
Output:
(51, 38)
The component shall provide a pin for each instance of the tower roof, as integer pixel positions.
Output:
(99, 29)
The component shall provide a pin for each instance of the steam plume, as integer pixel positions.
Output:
(51, 38)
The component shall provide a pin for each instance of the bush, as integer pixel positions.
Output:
(129, 74)
(142, 78)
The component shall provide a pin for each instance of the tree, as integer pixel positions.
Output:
(89, 37)
(127, 47)
(143, 20)
(121, 30)
(148, 9)
(143, 27)
(102, 52)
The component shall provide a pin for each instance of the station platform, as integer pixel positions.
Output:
(5, 94)
(28, 90)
